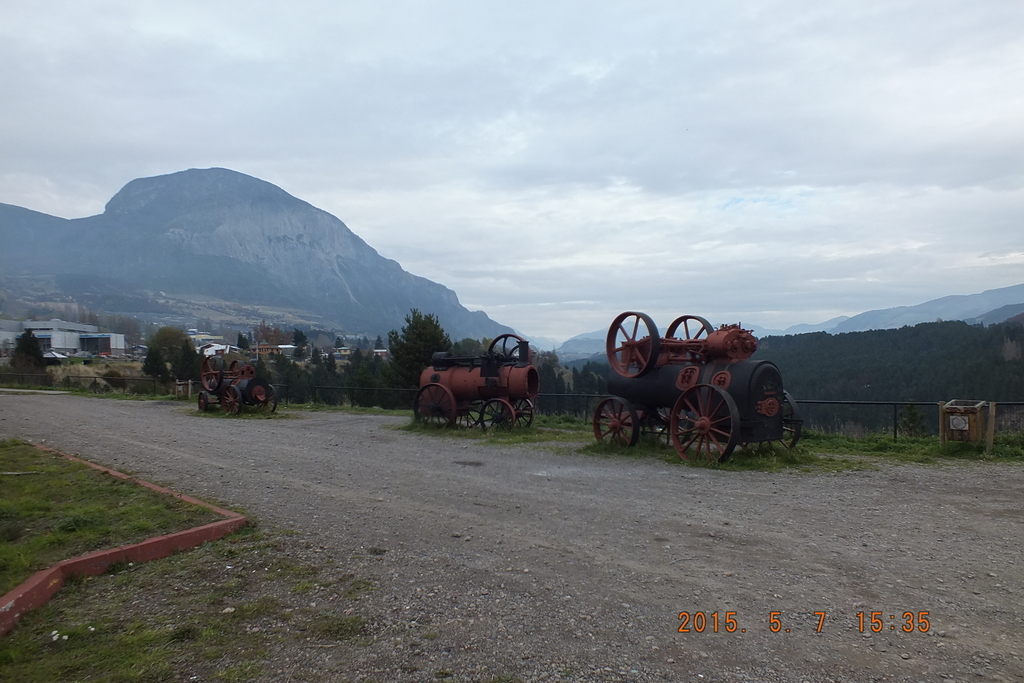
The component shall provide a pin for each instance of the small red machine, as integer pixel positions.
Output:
(494, 390)
(234, 387)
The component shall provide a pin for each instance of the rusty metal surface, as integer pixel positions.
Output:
(716, 398)
(494, 390)
(234, 387)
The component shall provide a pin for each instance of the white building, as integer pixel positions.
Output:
(63, 337)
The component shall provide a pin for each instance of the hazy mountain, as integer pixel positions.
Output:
(957, 307)
(804, 328)
(987, 308)
(215, 234)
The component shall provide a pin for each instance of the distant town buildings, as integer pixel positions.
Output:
(63, 337)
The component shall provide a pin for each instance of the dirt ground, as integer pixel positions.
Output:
(538, 563)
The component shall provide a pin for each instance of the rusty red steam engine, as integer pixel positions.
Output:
(234, 387)
(696, 386)
(494, 390)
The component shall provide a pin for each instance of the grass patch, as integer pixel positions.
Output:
(1007, 448)
(338, 626)
(61, 509)
(185, 617)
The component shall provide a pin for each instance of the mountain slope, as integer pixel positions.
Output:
(957, 307)
(219, 233)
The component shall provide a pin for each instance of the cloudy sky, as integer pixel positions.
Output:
(555, 163)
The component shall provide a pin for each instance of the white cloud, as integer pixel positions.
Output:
(555, 163)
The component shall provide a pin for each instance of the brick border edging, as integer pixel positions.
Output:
(41, 586)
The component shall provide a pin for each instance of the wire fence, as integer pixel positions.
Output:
(851, 418)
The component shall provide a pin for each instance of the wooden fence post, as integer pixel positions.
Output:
(990, 436)
(942, 423)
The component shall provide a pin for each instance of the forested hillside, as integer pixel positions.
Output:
(928, 362)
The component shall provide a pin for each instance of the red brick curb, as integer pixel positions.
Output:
(42, 585)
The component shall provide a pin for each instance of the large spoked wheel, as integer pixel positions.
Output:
(792, 423)
(498, 414)
(210, 375)
(617, 419)
(523, 408)
(633, 351)
(231, 400)
(694, 327)
(508, 346)
(435, 404)
(469, 417)
(705, 424)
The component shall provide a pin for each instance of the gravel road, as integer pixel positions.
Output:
(537, 563)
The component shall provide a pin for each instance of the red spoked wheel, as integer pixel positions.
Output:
(792, 423)
(631, 351)
(508, 346)
(694, 327)
(705, 424)
(231, 400)
(617, 419)
(210, 375)
(523, 408)
(204, 401)
(497, 414)
(435, 404)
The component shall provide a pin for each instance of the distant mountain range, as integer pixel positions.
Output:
(218, 244)
(987, 308)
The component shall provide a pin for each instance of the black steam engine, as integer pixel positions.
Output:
(696, 386)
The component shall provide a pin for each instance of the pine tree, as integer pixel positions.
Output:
(28, 353)
(412, 348)
(155, 365)
(187, 364)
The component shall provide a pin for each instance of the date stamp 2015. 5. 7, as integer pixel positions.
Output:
(731, 622)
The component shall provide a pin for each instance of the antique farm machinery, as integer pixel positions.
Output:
(696, 386)
(234, 387)
(493, 390)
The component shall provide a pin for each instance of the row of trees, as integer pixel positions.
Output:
(365, 379)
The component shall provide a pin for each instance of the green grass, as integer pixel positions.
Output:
(185, 617)
(816, 452)
(61, 509)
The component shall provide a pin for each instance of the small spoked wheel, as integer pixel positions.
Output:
(617, 420)
(497, 414)
(523, 408)
(435, 404)
(792, 423)
(705, 424)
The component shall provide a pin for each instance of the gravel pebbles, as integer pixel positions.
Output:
(535, 563)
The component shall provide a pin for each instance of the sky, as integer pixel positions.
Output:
(557, 163)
